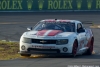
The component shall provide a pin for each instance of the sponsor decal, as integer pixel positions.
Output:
(97, 4)
(41, 4)
(59, 4)
(79, 4)
(11, 5)
(29, 4)
(81, 43)
(43, 47)
(43, 41)
(89, 4)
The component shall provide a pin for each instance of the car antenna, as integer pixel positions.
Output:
(55, 19)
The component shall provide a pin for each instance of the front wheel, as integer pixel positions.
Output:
(26, 55)
(74, 50)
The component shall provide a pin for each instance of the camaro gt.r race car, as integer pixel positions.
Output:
(57, 37)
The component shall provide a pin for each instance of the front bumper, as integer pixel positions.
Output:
(43, 52)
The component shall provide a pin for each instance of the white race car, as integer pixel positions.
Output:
(57, 37)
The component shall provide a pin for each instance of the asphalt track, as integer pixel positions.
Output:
(12, 25)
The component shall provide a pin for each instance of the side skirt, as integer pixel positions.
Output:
(82, 50)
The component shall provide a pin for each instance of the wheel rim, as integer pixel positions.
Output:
(74, 49)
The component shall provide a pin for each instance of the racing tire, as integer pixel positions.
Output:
(26, 55)
(74, 50)
(90, 50)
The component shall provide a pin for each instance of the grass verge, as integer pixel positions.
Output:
(9, 50)
(95, 26)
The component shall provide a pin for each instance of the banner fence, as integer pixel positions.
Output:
(48, 5)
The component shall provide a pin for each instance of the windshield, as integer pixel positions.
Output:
(63, 26)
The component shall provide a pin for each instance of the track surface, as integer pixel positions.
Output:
(12, 25)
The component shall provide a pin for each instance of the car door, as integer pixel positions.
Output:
(81, 36)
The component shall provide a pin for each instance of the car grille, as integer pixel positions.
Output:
(41, 41)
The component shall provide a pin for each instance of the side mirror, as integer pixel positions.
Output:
(29, 28)
(80, 30)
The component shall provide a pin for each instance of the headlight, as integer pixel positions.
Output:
(26, 40)
(62, 41)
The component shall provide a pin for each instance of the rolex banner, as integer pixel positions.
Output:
(49, 5)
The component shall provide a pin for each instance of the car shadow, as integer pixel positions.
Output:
(95, 56)
(77, 57)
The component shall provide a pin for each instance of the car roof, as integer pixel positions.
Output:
(60, 20)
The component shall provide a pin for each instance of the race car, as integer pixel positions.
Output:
(57, 37)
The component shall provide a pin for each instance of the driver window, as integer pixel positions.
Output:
(80, 28)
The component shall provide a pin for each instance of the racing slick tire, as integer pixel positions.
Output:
(26, 55)
(90, 50)
(74, 50)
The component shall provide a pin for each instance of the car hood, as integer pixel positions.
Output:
(47, 33)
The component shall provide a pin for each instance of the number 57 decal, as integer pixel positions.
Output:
(81, 43)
